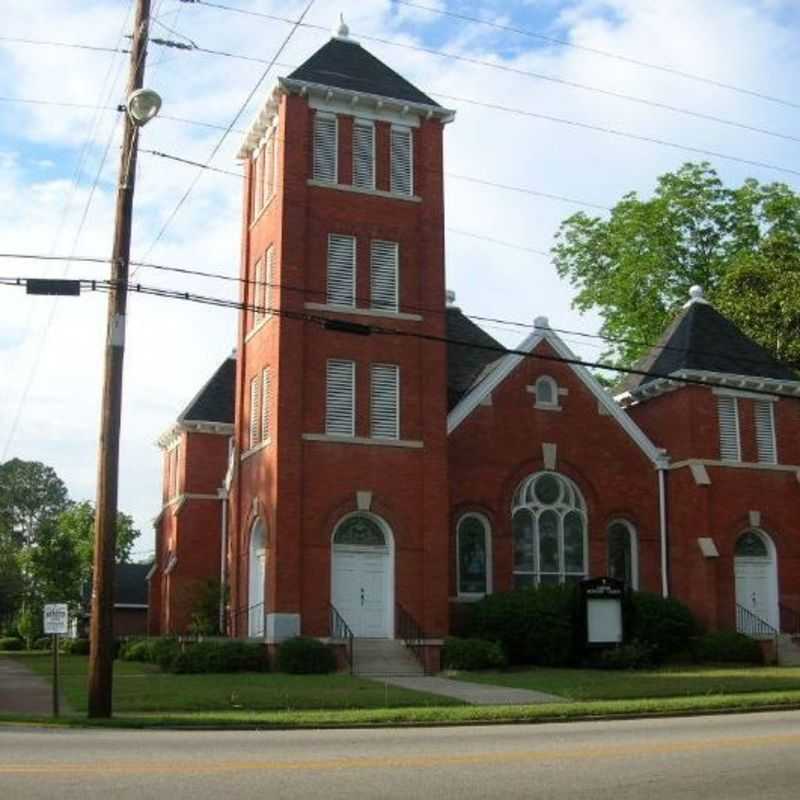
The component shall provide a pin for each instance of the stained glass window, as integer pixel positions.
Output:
(622, 553)
(361, 532)
(751, 545)
(472, 556)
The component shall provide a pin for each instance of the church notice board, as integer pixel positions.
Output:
(603, 600)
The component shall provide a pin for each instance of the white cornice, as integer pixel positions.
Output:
(543, 332)
(172, 435)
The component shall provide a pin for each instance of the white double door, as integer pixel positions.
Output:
(362, 589)
(756, 588)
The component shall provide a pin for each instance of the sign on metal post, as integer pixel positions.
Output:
(56, 623)
(602, 602)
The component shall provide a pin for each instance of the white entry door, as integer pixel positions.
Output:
(361, 590)
(755, 588)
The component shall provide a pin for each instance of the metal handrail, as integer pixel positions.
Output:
(341, 631)
(790, 620)
(236, 614)
(752, 625)
(411, 632)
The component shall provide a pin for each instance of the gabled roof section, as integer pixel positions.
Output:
(467, 363)
(344, 64)
(700, 339)
(215, 401)
(542, 332)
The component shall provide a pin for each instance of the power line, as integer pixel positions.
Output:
(604, 53)
(227, 131)
(526, 73)
(71, 45)
(191, 163)
(363, 329)
(364, 301)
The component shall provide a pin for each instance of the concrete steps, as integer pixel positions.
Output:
(788, 650)
(384, 657)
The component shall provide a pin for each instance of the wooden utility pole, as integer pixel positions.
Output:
(101, 656)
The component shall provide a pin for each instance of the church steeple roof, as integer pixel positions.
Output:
(700, 339)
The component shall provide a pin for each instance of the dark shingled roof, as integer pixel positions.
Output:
(464, 363)
(701, 339)
(130, 586)
(215, 401)
(347, 65)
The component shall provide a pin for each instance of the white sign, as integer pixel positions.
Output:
(604, 620)
(56, 618)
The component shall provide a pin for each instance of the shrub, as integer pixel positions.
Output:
(76, 647)
(304, 656)
(534, 626)
(727, 646)
(9, 643)
(634, 655)
(472, 654)
(221, 656)
(160, 650)
(664, 623)
(135, 650)
(43, 643)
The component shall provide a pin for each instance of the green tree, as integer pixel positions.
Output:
(742, 245)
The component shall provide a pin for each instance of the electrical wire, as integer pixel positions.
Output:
(71, 45)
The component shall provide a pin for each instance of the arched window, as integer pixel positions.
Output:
(257, 569)
(751, 545)
(359, 531)
(549, 530)
(546, 392)
(474, 559)
(623, 553)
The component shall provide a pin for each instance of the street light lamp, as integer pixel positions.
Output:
(142, 106)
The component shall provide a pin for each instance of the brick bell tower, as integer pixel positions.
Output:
(340, 494)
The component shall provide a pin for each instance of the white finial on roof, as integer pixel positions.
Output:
(341, 31)
(541, 322)
(696, 295)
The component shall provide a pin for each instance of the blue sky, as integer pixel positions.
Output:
(50, 156)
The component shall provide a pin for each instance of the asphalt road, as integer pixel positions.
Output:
(755, 756)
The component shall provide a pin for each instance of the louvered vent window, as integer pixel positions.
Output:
(254, 419)
(765, 431)
(258, 293)
(269, 270)
(363, 155)
(266, 431)
(383, 275)
(341, 270)
(325, 148)
(384, 401)
(729, 448)
(269, 168)
(340, 404)
(258, 177)
(402, 161)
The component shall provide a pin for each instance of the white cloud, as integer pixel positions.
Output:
(173, 346)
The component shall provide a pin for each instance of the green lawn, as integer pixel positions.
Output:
(143, 688)
(585, 684)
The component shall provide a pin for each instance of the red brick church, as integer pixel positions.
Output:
(369, 454)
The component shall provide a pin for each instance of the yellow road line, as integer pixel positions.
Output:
(388, 762)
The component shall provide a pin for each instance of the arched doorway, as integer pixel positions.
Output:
(257, 572)
(362, 575)
(755, 568)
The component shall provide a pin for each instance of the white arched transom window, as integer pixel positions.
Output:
(546, 392)
(549, 528)
(474, 556)
(623, 553)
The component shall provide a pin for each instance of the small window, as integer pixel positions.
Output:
(359, 531)
(474, 556)
(384, 401)
(254, 419)
(325, 147)
(729, 446)
(258, 177)
(258, 294)
(269, 166)
(340, 399)
(266, 287)
(383, 275)
(363, 154)
(266, 406)
(546, 392)
(622, 554)
(175, 470)
(402, 161)
(765, 431)
(341, 270)
(751, 545)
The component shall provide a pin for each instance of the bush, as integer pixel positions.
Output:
(664, 623)
(634, 655)
(472, 654)
(727, 647)
(76, 647)
(221, 656)
(160, 650)
(43, 643)
(9, 643)
(304, 656)
(534, 626)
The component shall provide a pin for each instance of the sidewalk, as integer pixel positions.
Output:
(476, 694)
(23, 691)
